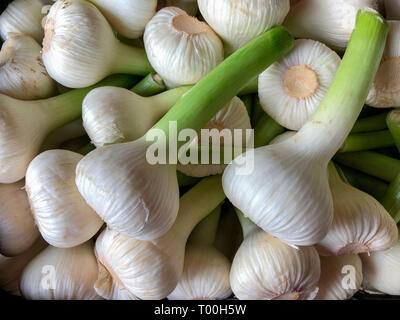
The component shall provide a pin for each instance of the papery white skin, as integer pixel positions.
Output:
(238, 22)
(291, 89)
(233, 116)
(265, 268)
(190, 6)
(23, 16)
(392, 9)
(22, 73)
(18, 231)
(385, 90)
(334, 270)
(62, 215)
(132, 196)
(128, 18)
(205, 275)
(328, 21)
(71, 274)
(181, 48)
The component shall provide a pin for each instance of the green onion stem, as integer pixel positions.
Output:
(86, 149)
(373, 123)
(151, 85)
(131, 60)
(248, 102)
(367, 141)
(184, 180)
(206, 230)
(257, 114)
(391, 199)
(393, 122)
(247, 225)
(266, 130)
(251, 87)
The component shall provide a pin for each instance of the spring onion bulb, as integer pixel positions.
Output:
(80, 48)
(18, 231)
(328, 21)
(152, 269)
(141, 200)
(296, 204)
(392, 9)
(233, 116)
(22, 73)
(190, 6)
(393, 123)
(292, 88)
(128, 18)
(239, 21)
(181, 48)
(61, 274)
(385, 90)
(333, 284)
(70, 131)
(266, 268)
(23, 16)
(62, 215)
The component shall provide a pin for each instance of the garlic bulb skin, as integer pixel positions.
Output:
(392, 9)
(61, 274)
(144, 201)
(381, 270)
(18, 231)
(265, 268)
(233, 116)
(333, 284)
(62, 215)
(291, 89)
(205, 275)
(22, 73)
(329, 21)
(385, 89)
(23, 16)
(181, 48)
(238, 22)
(128, 18)
(190, 6)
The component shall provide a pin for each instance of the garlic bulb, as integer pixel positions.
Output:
(292, 88)
(190, 6)
(181, 48)
(381, 270)
(23, 16)
(152, 269)
(113, 114)
(70, 131)
(61, 274)
(128, 18)
(22, 74)
(239, 21)
(392, 9)
(341, 277)
(80, 48)
(385, 90)
(360, 223)
(328, 21)
(233, 116)
(62, 215)
(17, 227)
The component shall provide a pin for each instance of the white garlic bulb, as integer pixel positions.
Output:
(381, 270)
(238, 22)
(341, 277)
(328, 21)
(61, 274)
(360, 223)
(233, 116)
(392, 9)
(62, 215)
(292, 88)
(18, 231)
(128, 18)
(181, 48)
(23, 16)
(190, 6)
(22, 73)
(385, 89)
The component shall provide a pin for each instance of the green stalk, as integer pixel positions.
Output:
(247, 225)
(266, 130)
(373, 123)
(206, 230)
(391, 199)
(248, 102)
(151, 85)
(367, 141)
(184, 180)
(257, 114)
(86, 149)
(371, 163)
(216, 89)
(393, 123)
(131, 60)
(167, 99)
(250, 88)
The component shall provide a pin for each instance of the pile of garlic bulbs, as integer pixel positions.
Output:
(88, 211)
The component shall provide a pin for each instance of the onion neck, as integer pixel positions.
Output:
(151, 85)
(206, 231)
(393, 123)
(166, 100)
(131, 60)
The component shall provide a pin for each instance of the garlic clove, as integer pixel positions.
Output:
(128, 18)
(181, 48)
(233, 116)
(18, 231)
(392, 9)
(62, 215)
(265, 268)
(291, 89)
(190, 6)
(238, 22)
(22, 73)
(341, 277)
